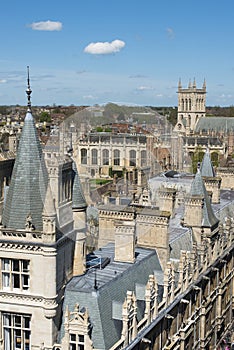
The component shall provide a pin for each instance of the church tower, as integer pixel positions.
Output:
(191, 106)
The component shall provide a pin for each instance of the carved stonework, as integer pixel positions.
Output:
(129, 330)
(77, 322)
(151, 296)
(169, 283)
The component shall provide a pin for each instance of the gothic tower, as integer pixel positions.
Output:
(191, 106)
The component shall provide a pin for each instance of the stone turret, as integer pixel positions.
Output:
(49, 217)
(79, 206)
(198, 212)
(212, 182)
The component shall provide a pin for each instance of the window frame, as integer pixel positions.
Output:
(15, 274)
(16, 328)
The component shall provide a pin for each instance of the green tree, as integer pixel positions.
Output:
(197, 158)
(45, 117)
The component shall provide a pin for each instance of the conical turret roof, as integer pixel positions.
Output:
(206, 165)
(78, 198)
(198, 189)
(29, 180)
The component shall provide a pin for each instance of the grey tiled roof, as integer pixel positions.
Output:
(198, 188)
(206, 166)
(215, 123)
(28, 183)
(113, 283)
(78, 198)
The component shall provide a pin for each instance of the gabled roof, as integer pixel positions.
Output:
(29, 181)
(198, 189)
(78, 198)
(206, 165)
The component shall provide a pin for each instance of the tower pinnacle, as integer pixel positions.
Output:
(29, 91)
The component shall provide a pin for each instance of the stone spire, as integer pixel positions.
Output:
(204, 85)
(27, 190)
(194, 84)
(198, 189)
(206, 165)
(179, 84)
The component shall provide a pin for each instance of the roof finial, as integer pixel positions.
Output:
(29, 91)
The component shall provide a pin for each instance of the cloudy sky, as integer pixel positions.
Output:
(84, 52)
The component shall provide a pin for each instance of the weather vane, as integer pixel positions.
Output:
(29, 91)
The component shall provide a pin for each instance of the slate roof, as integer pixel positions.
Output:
(78, 198)
(29, 181)
(113, 283)
(215, 123)
(198, 188)
(206, 165)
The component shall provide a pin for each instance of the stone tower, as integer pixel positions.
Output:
(191, 107)
(36, 252)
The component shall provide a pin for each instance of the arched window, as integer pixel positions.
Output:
(83, 153)
(186, 104)
(116, 157)
(132, 158)
(182, 104)
(94, 156)
(105, 157)
(190, 104)
(189, 120)
(143, 158)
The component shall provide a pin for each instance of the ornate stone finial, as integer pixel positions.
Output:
(204, 85)
(189, 85)
(179, 84)
(28, 223)
(29, 91)
(194, 83)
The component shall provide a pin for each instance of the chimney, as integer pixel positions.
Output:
(125, 240)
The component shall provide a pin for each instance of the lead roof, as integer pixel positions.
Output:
(29, 181)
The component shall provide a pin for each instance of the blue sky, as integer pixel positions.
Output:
(84, 52)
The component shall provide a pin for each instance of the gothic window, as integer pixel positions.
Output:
(16, 331)
(83, 153)
(76, 342)
(186, 104)
(15, 274)
(105, 157)
(190, 104)
(94, 154)
(189, 120)
(143, 158)
(132, 158)
(116, 157)
(182, 104)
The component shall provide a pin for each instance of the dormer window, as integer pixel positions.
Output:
(76, 342)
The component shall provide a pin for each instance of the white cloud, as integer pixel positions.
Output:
(89, 97)
(144, 88)
(2, 81)
(47, 26)
(104, 48)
